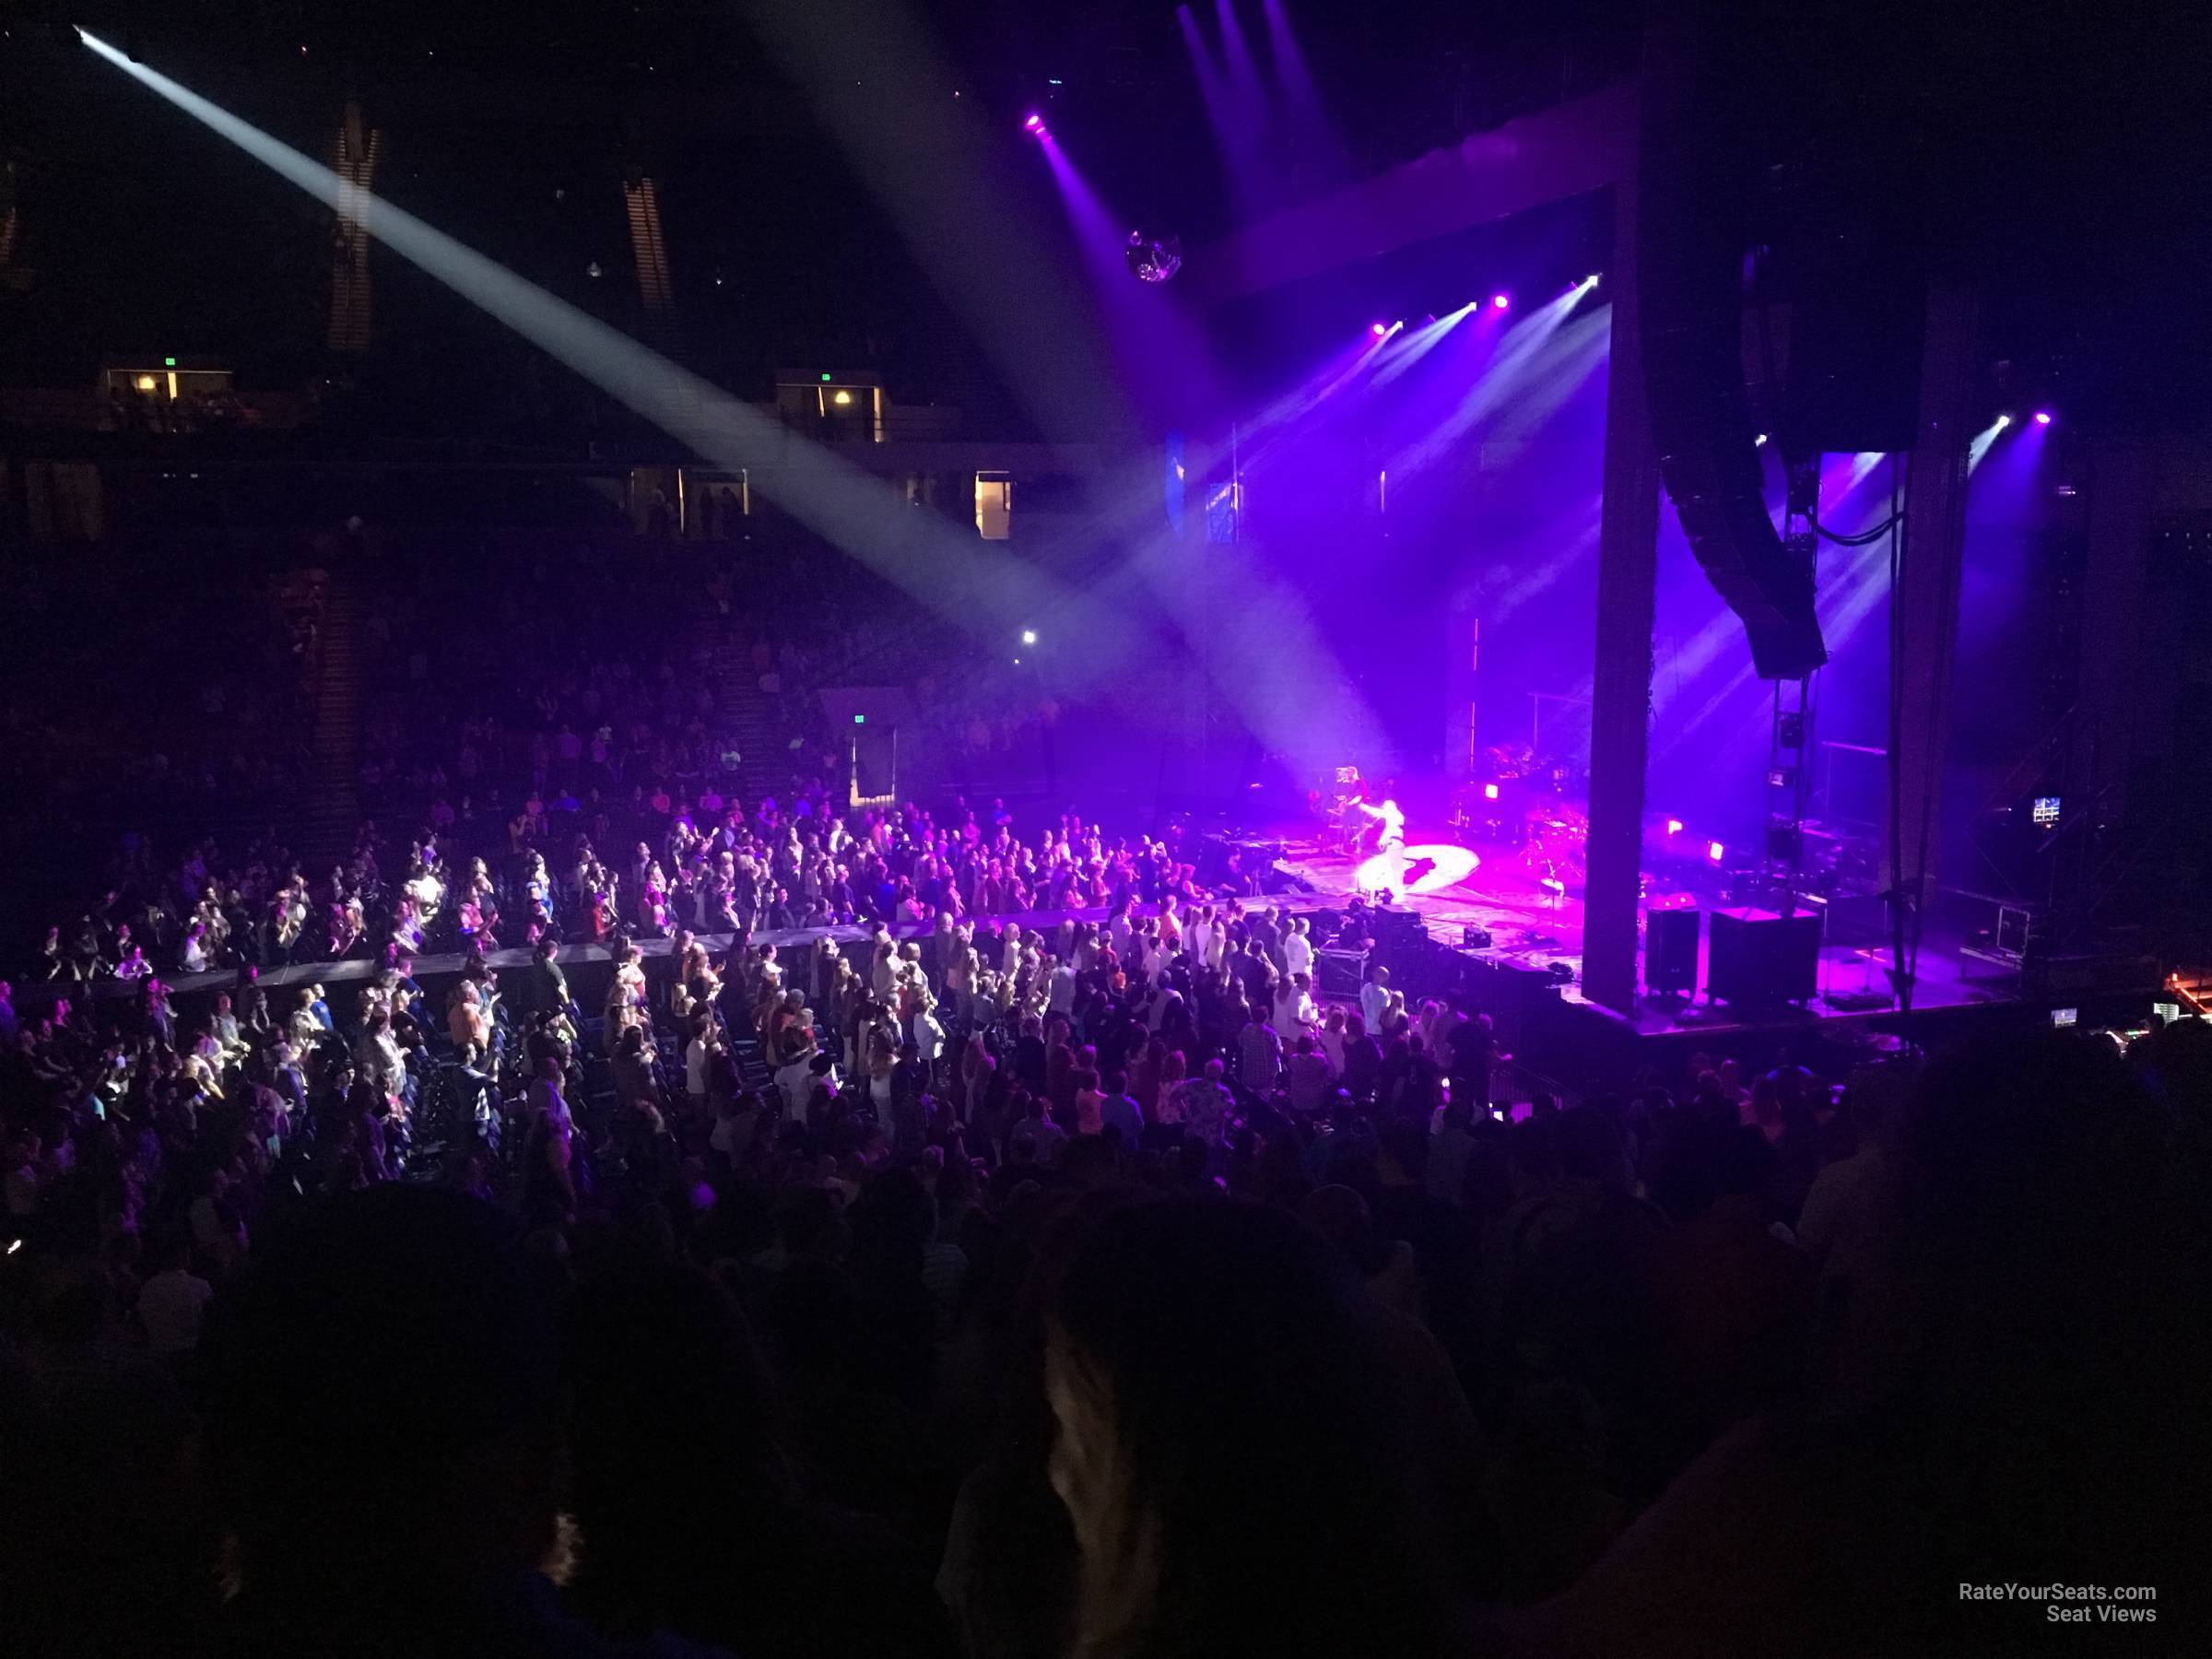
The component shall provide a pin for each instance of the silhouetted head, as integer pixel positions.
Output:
(383, 1403)
(1226, 1448)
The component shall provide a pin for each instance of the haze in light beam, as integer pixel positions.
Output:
(1519, 356)
(970, 581)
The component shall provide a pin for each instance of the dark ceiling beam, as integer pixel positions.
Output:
(1566, 152)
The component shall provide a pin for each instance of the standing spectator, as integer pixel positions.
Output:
(1259, 1057)
(173, 1300)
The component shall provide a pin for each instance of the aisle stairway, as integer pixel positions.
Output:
(743, 719)
(331, 812)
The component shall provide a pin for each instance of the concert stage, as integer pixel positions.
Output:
(1547, 1020)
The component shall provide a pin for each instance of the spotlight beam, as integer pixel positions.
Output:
(1977, 450)
(1420, 344)
(1229, 87)
(1243, 75)
(1290, 61)
(986, 592)
(1518, 355)
(877, 76)
(1157, 336)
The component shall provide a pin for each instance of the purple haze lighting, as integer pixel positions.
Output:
(2042, 418)
(1163, 347)
(1499, 301)
(1290, 61)
(1236, 57)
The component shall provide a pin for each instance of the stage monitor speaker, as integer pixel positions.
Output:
(1758, 959)
(1398, 929)
(1670, 952)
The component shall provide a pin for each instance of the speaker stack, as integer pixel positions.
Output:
(1670, 951)
(1759, 959)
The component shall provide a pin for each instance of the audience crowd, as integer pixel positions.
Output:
(1039, 1264)
(1083, 1287)
(584, 785)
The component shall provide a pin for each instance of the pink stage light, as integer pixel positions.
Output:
(1489, 792)
(1378, 329)
(1714, 851)
(2042, 418)
(1674, 826)
(1035, 123)
(1499, 301)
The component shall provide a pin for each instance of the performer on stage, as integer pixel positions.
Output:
(1387, 868)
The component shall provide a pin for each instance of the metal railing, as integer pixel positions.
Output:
(1513, 1084)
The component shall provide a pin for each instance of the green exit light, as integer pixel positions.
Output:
(860, 720)
(172, 363)
(825, 377)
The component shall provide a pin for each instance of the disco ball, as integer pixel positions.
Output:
(1153, 258)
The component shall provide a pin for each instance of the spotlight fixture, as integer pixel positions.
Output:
(842, 397)
(1714, 851)
(1035, 123)
(1674, 826)
(1378, 329)
(1499, 301)
(2003, 421)
(1028, 636)
(1489, 792)
(1759, 441)
(1592, 279)
(2042, 418)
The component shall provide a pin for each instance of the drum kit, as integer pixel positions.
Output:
(1556, 849)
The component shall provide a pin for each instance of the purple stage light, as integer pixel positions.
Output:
(1378, 329)
(2042, 418)
(1035, 123)
(1714, 851)
(1674, 826)
(1499, 301)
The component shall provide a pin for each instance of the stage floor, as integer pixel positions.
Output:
(1532, 928)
